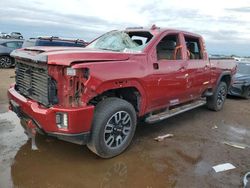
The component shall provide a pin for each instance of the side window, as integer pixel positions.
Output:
(139, 40)
(11, 45)
(194, 48)
(169, 48)
(19, 44)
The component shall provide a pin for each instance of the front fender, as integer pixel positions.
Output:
(92, 91)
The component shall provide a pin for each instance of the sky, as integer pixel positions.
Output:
(225, 24)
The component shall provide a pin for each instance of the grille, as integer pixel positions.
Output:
(33, 82)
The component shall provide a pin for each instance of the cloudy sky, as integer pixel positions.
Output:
(225, 24)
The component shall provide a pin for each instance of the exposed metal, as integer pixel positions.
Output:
(32, 81)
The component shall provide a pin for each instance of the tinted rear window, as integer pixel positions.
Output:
(16, 33)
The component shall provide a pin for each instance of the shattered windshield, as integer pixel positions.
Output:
(117, 41)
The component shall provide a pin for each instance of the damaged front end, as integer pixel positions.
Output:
(47, 98)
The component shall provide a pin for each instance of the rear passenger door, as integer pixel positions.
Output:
(168, 80)
(198, 67)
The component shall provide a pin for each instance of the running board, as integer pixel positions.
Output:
(169, 113)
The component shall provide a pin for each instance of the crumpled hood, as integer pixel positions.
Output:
(67, 55)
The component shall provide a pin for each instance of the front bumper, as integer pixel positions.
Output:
(79, 119)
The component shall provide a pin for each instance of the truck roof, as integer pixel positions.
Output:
(154, 30)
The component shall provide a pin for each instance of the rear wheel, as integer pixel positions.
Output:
(217, 101)
(113, 127)
(5, 62)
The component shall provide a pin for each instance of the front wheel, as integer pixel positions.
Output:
(5, 62)
(217, 101)
(113, 127)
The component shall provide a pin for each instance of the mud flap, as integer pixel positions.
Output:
(31, 133)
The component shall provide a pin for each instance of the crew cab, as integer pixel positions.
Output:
(96, 95)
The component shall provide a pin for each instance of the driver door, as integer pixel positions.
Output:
(169, 78)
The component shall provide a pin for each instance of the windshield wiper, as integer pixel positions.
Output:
(109, 49)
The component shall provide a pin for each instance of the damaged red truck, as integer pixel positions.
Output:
(96, 95)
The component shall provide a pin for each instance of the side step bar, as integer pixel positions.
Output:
(169, 113)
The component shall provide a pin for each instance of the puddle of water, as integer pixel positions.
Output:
(59, 164)
(62, 164)
(202, 168)
(237, 133)
(11, 139)
(238, 130)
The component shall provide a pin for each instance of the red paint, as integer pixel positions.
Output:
(158, 82)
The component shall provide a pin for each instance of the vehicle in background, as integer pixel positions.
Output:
(241, 81)
(54, 41)
(96, 95)
(13, 35)
(6, 47)
(2, 34)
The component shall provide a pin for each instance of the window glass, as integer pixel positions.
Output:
(29, 43)
(13, 45)
(193, 48)
(243, 68)
(19, 44)
(122, 41)
(169, 48)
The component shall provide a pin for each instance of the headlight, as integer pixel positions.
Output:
(62, 120)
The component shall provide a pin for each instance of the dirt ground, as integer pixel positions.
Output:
(185, 160)
(7, 77)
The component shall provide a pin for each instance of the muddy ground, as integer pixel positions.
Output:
(185, 160)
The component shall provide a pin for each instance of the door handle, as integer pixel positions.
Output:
(182, 68)
(156, 66)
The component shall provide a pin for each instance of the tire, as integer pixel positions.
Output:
(217, 101)
(246, 94)
(7, 37)
(5, 61)
(20, 37)
(113, 127)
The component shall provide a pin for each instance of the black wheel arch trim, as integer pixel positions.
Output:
(224, 73)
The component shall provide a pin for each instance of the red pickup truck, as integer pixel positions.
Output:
(96, 95)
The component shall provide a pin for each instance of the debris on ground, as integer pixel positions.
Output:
(223, 167)
(214, 127)
(246, 180)
(161, 138)
(239, 146)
